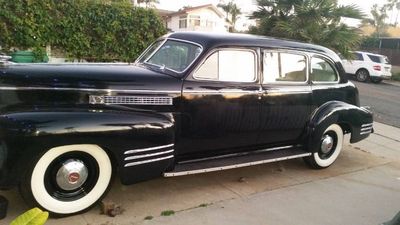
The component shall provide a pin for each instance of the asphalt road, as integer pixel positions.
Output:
(384, 100)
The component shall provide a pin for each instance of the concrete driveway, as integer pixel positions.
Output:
(362, 187)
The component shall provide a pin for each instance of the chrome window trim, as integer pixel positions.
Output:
(332, 64)
(256, 71)
(148, 48)
(177, 40)
(289, 51)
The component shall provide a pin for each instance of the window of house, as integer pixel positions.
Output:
(322, 71)
(229, 65)
(284, 67)
(210, 23)
(183, 22)
(194, 20)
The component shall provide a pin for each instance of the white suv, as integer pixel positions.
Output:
(368, 66)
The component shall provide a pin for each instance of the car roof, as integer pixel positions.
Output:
(213, 40)
(370, 53)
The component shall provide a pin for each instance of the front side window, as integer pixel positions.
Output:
(284, 67)
(173, 55)
(228, 65)
(322, 71)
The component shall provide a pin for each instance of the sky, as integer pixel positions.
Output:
(247, 6)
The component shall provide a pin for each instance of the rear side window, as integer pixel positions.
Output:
(284, 67)
(229, 65)
(358, 56)
(322, 71)
(376, 59)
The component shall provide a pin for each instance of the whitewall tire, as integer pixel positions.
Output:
(330, 146)
(68, 179)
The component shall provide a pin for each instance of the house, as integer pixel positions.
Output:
(200, 18)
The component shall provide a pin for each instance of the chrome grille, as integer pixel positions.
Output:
(130, 100)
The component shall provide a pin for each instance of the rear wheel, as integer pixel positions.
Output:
(362, 75)
(68, 179)
(330, 146)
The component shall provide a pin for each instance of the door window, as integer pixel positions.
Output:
(284, 67)
(229, 65)
(322, 71)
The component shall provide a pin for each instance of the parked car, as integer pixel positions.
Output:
(368, 67)
(192, 103)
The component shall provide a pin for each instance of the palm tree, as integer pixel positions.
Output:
(313, 21)
(232, 12)
(379, 16)
(235, 13)
(393, 5)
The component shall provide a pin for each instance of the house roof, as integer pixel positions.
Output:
(189, 9)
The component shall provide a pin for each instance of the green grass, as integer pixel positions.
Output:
(396, 76)
(167, 213)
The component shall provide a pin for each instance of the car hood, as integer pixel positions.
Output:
(86, 76)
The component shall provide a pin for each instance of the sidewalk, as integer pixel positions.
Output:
(362, 187)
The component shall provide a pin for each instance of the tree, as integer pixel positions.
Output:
(392, 6)
(313, 21)
(149, 3)
(94, 30)
(232, 12)
(379, 16)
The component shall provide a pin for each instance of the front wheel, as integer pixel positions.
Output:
(331, 144)
(68, 179)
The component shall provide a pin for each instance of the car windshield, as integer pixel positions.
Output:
(174, 55)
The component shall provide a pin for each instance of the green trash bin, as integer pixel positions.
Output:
(26, 57)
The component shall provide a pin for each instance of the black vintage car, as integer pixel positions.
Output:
(192, 103)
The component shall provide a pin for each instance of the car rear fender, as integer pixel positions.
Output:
(351, 118)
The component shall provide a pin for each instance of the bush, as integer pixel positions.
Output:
(94, 30)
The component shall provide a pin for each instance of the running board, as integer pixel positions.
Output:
(236, 162)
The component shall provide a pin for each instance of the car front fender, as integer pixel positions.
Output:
(27, 135)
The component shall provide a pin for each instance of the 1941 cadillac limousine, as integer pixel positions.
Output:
(191, 103)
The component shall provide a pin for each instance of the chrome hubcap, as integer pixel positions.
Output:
(362, 75)
(327, 144)
(72, 174)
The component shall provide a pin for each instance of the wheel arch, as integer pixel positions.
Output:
(29, 135)
(350, 118)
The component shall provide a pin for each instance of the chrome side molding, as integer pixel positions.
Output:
(147, 149)
(182, 173)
